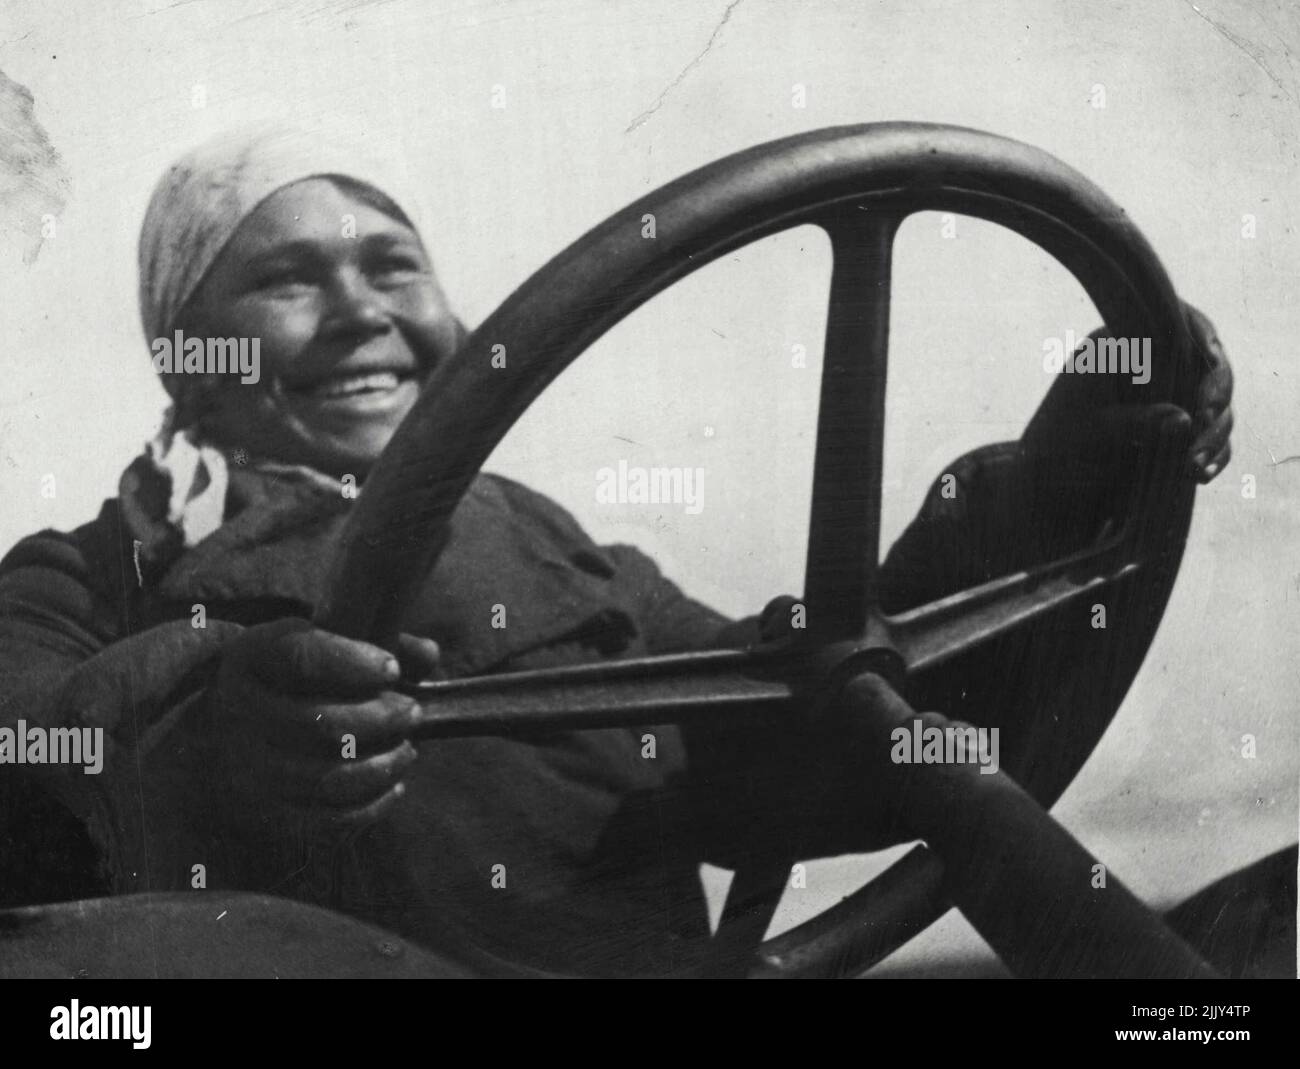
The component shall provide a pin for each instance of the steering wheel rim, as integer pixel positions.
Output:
(399, 524)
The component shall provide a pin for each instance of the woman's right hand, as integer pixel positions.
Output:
(308, 732)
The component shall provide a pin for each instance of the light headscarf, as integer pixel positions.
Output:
(202, 198)
(195, 209)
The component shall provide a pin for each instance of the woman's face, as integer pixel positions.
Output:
(350, 319)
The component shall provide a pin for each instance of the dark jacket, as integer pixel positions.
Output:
(600, 844)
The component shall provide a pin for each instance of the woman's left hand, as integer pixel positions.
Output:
(1212, 421)
(1081, 423)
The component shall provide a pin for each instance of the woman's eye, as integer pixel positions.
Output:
(281, 280)
(396, 265)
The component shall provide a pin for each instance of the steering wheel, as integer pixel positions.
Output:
(857, 183)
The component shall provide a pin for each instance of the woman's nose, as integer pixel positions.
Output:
(355, 307)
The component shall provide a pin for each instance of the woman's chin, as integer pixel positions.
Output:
(329, 452)
(347, 436)
(352, 456)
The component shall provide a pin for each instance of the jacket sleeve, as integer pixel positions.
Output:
(67, 662)
(669, 620)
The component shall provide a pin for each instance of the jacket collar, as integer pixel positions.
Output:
(516, 574)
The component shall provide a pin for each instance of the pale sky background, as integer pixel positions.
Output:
(606, 101)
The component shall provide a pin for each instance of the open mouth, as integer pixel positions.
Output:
(352, 385)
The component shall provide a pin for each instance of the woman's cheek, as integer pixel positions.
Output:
(427, 323)
(283, 326)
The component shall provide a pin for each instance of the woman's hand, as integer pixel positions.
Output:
(1212, 421)
(1082, 419)
(308, 731)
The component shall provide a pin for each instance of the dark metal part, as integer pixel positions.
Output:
(844, 537)
(653, 690)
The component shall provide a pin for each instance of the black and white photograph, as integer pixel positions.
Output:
(662, 489)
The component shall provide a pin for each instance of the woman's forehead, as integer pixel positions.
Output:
(314, 209)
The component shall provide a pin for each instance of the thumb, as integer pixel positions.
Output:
(421, 658)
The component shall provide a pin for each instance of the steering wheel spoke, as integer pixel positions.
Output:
(648, 690)
(844, 532)
(931, 634)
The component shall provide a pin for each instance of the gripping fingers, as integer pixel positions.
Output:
(421, 658)
(1212, 428)
(312, 821)
(327, 729)
(1213, 447)
(366, 814)
(345, 784)
(293, 657)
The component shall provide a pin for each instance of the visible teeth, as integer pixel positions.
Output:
(352, 384)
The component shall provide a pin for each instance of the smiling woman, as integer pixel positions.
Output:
(348, 325)
(326, 272)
